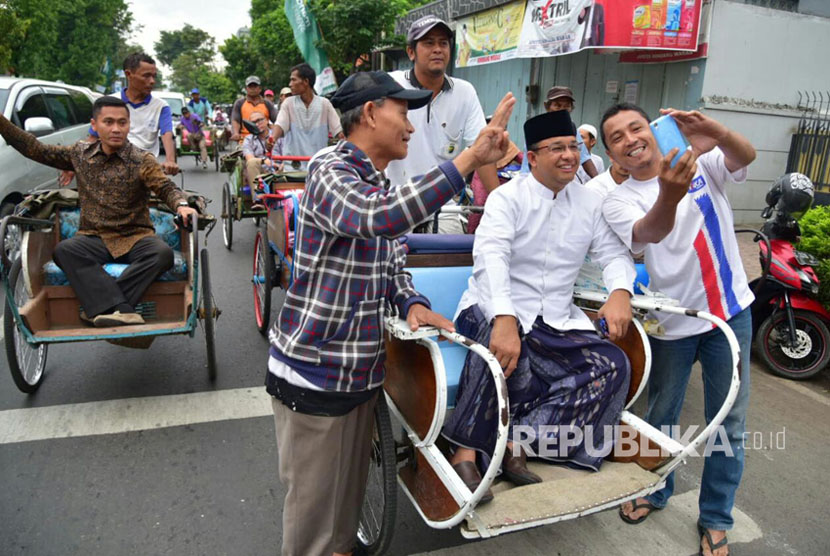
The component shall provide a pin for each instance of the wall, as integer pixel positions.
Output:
(752, 81)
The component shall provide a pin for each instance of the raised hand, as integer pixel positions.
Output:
(675, 182)
(702, 132)
(491, 144)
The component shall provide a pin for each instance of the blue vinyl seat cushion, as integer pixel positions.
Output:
(165, 228)
(443, 286)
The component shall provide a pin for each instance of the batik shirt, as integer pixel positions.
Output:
(113, 190)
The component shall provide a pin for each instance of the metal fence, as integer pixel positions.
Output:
(810, 145)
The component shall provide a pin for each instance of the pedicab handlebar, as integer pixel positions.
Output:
(669, 306)
(464, 497)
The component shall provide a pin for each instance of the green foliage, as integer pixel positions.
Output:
(815, 239)
(66, 40)
(12, 32)
(274, 47)
(238, 52)
(188, 39)
(345, 44)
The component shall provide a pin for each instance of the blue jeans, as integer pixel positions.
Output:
(671, 366)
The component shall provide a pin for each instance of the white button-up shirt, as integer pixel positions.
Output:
(529, 248)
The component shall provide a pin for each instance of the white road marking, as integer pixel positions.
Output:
(132, 414)
(671, 531)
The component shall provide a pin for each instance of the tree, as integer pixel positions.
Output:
(68, 40)
(242, 60)
(173, 44)
(346, 44)
(12, 32)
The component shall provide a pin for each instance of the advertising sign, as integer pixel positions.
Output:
(554, 27)
(489, 36)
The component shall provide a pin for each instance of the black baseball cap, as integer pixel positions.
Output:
(364, 86)
(424, 25)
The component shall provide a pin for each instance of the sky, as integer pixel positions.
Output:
(220, 18)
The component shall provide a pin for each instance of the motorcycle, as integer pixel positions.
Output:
(790, 325)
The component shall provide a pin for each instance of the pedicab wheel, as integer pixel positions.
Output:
(209, 317)
(380, 502)
(227, 215)
(26, 362)
(263, 280)
(807, 357)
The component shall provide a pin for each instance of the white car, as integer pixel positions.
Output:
(174, 100)
(56, 113)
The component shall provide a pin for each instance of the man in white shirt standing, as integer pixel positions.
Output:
(450, 123)
(305, 119)
(529, 248)
(680, 218)
(588, 134)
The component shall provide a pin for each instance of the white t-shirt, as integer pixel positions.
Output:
(530, 247)
(307, 128)
(444, 128)
(603, 183)
(698, 263)
(583, 176)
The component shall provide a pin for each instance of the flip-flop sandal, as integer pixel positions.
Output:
(634, 507)
(704, 532)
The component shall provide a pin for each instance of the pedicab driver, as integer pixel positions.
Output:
(115, 179)
(530, 245)
(681, 220)
(305, 120)
(451, 122)
(326, 359)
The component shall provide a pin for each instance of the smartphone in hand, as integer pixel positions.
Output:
(669, 136)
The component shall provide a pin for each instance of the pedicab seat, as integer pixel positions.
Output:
(443, 286)
(165, 228)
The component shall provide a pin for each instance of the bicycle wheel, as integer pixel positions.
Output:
(26, 361)
(227, 215)
(209, 317)
(263, 282)
(380, 503)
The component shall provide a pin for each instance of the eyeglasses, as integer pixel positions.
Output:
(557, 148)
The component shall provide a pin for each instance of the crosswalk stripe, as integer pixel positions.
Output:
(131, 414)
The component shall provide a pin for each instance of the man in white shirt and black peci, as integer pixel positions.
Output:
(529, 248)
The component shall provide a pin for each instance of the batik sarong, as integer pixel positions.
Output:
(573, 379)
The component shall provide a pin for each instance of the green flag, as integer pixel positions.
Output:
(306, 34)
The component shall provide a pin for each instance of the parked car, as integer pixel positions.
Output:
(175, 101)
(56, 113)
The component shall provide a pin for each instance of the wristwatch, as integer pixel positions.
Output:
(183, 204)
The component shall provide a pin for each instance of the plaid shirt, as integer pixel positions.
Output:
(349, 267)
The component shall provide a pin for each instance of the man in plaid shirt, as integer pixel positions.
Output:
(326, 358)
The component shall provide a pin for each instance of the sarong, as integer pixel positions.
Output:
(573, 379)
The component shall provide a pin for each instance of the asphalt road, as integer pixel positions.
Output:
(136, 452)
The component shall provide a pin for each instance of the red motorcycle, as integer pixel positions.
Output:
(789, 323)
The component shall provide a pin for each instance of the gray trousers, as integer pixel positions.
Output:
(81, 257)
(323, 463)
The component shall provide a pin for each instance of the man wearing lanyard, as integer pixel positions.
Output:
(452, 120)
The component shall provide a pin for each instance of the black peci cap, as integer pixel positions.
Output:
(549, 124)
(364, 86)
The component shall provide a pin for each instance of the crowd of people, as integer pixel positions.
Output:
(405, 144)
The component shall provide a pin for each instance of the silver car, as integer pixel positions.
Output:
(56, 114)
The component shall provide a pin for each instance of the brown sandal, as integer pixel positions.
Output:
(634, 507)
